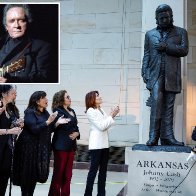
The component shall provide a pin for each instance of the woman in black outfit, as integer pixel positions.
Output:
(32, 149)
(7, 96)
(64, 145)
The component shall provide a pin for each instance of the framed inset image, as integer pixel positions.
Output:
(29, 43)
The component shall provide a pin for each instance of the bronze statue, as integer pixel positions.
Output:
(161, 71)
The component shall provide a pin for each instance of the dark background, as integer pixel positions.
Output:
(45, 26)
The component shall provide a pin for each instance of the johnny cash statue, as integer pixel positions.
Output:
(161, 71)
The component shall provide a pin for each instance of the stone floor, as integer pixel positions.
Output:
(116, 184)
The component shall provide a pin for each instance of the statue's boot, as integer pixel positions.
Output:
(167, 134)
(171, 142)
(154, 132)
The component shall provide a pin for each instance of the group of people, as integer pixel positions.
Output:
(26, 145)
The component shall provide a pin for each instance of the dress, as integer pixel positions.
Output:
(5, 153)
(26, 155)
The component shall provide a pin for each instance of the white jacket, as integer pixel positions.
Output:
(99, 125)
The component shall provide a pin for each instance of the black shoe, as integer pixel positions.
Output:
(171, 142)
(152, 142)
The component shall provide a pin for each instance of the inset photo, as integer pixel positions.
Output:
(29, 43)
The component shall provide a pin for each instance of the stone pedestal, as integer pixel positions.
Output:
(159, 173)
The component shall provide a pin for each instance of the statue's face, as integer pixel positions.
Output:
(164, 19)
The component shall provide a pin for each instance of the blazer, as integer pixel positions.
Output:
(99, 126)
(61, 140)
(35, 126)
(38, 62)
(177, 46)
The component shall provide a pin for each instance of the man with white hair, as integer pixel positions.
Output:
(22, 58)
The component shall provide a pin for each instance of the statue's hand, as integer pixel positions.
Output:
(161, 46)
(145, 79)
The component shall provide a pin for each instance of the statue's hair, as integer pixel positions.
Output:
(164, 8)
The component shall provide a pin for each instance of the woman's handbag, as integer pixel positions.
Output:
(194, 134)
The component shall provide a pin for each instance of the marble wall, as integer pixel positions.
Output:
(102, 54)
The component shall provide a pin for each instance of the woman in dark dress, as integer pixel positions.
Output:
(64, 145)
(30, 164)
(7, 96)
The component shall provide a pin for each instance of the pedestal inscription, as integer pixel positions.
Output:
(160, 173)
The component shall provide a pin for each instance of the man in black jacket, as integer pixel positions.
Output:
(161, 71)
(23, 59)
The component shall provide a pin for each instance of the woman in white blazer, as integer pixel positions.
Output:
(100, 123)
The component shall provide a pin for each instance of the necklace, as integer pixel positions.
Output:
(101, 111)
(7, 114)
(70, 112)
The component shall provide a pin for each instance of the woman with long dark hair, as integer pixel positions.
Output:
(64, 145)
(32, 149)
(7, 96)
(100, 123)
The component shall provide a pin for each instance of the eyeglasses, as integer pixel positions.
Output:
(68, 97)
